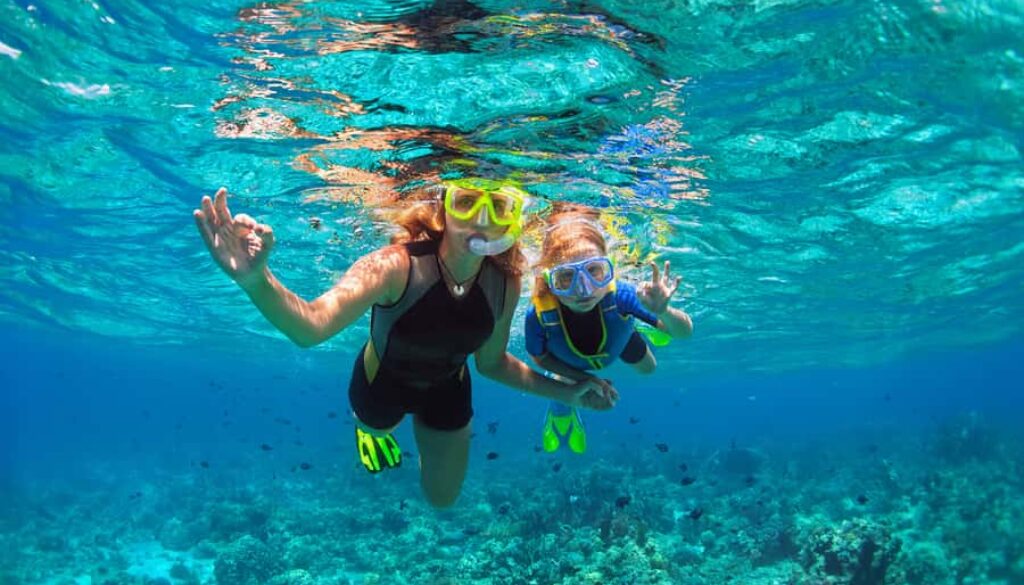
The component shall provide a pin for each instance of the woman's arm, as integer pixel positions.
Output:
(494, 361)
(378, 277)
(557, 366)
(241, 247)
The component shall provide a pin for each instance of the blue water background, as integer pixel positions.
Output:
(840, 184)
(71, 404)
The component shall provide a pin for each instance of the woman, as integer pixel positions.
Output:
(582, 318)
(447, 287)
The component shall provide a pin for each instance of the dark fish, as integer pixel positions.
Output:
(688, 480)
(504, 508)
(204, 464)
(749, 480)
(862, 499)
(536, 448)
(315, 223)
(305, 466)
(472, 435)
(266, 447)
(135, 496)
(556, 467)
(633, 420)
(406, 453)
(696, 513)
(393, 108)
(332, 414)
(492, 427)
(683, 467)
(282, 421)
(402, 505)
(888, 397)
(622, 501)
(492, 456)
(663, 447)
(471, 530)
(225, 412)
(298, 443)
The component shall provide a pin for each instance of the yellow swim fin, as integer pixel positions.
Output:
(377, 453)
(567, 426)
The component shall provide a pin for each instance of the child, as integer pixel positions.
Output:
(582, 318)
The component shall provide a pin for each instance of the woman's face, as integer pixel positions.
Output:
(582, 301)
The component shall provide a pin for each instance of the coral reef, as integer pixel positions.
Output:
(246, 561)
(854, 552)
(918, 510)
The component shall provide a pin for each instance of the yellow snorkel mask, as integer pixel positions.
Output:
(499, 202)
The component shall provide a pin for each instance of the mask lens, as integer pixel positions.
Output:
(599, 271)
(464, 200)
(562, 279)
(505, 207)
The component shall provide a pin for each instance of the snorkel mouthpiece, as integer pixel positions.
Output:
(483, 247)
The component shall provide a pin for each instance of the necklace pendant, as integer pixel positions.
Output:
(458, 289)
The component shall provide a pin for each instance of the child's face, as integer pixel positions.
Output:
(583, 300)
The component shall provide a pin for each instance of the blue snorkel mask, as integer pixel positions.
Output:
(580, 279)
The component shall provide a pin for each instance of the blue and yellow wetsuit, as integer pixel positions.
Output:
(585, 341)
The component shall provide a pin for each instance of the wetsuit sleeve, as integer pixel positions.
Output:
(629, 304)
(536, 343)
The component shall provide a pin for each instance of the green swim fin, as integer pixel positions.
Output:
(657, 337)
(567, 426)
(377, 453)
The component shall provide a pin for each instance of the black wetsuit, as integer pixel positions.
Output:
(423, 341)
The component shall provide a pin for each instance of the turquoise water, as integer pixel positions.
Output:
(839, 183)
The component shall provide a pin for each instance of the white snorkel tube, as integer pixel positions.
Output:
(483, 247)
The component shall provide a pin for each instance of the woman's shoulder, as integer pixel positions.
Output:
(387, 267)
(389, 257)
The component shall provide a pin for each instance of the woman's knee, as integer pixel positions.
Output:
(444, 458)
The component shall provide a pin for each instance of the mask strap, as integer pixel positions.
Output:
(581, 220)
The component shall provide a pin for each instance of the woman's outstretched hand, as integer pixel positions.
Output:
(238, 244)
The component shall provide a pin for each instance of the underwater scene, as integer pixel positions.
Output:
(531, 292)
